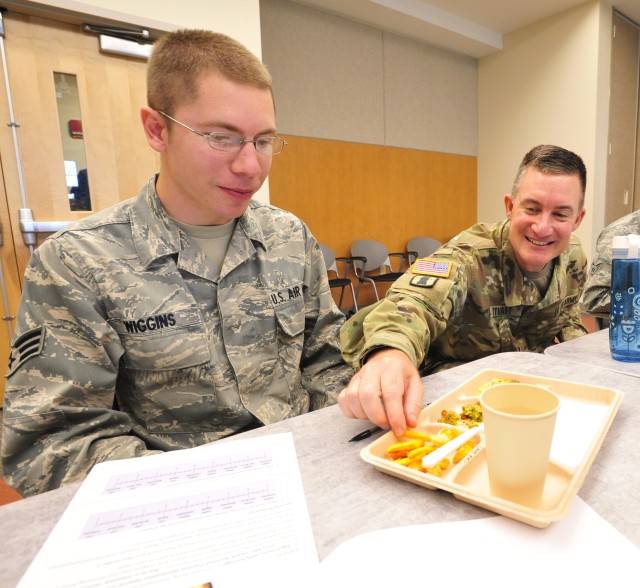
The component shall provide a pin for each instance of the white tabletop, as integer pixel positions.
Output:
(347, 496)
(593, 349)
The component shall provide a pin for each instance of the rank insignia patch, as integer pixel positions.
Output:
(28, 345)
(432, 267)
(423, 281)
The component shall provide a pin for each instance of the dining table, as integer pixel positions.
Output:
(593, 349)
(346, 496)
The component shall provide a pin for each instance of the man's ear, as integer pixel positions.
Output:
(579, 218)
(155, 128)
(508, 205)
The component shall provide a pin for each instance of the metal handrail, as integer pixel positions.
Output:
(30, 227)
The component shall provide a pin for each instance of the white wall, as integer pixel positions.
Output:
(548, 85)
(239, 19)
(338, 79)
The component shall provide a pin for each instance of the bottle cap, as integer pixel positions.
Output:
(625, 246)
(619, 247)
(634, 243)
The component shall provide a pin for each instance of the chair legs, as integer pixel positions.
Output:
(341, 297)
(373, 285)
(353, 296)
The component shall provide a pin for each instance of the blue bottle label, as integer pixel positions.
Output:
(624, 323)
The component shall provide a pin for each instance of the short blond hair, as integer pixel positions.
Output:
(180, 59)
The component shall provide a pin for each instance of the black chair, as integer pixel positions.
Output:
(339, 281)
(372, 264)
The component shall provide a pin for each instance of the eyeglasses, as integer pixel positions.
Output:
(233, 143)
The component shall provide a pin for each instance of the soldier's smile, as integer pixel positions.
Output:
(539, 243)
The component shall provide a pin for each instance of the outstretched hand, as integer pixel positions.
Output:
(387, 390)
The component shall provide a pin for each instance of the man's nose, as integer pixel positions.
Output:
(544, 223)
(247, 160)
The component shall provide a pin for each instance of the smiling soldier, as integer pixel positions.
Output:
(510, 286)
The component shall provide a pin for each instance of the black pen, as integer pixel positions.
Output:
(366, 434)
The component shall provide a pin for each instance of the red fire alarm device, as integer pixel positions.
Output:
(75, 129)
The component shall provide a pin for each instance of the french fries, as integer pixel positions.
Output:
(412, 446)
(410, 452)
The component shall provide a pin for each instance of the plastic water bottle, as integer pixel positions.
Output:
(624, 320)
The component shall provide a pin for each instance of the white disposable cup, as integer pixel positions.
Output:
(519, 420)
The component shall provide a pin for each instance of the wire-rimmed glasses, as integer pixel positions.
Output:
(233, 143)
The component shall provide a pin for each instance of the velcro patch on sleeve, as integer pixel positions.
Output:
(26, 346)
(423, 281)
(427, 266)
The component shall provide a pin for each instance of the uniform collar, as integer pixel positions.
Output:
(248, 222)
(156, 236)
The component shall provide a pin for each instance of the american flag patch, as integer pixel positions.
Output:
(27, 345)
(432, 267)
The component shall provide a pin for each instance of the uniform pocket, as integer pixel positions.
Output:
(291, 317)
(163, 342)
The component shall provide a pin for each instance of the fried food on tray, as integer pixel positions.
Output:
(469, 416)
(412, 446)
(410, 453)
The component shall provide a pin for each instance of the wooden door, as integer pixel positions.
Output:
(623, 119)
(35, 142)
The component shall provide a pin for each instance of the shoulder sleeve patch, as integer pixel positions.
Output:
(26, 346)
(428, 266)
(423, 281)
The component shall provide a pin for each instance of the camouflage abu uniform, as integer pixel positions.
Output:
(137, 346)
(597, 291)
(485, 306)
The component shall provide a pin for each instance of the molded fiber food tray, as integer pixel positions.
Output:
(584, 418)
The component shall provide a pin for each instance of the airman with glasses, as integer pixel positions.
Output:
(187, 314)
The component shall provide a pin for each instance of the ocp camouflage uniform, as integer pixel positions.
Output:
(597, 291)
(136, 345)
(485, 306)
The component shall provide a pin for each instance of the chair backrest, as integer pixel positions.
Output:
(376, 253)
(329, 259)
(423, 246)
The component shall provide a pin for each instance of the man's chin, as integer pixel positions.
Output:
(536, 261)
(536, 265)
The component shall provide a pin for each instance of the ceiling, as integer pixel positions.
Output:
(471, 27)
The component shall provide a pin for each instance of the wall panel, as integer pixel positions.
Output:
(430, 97)
(327, 73)
(335, 78)
(346, 191)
